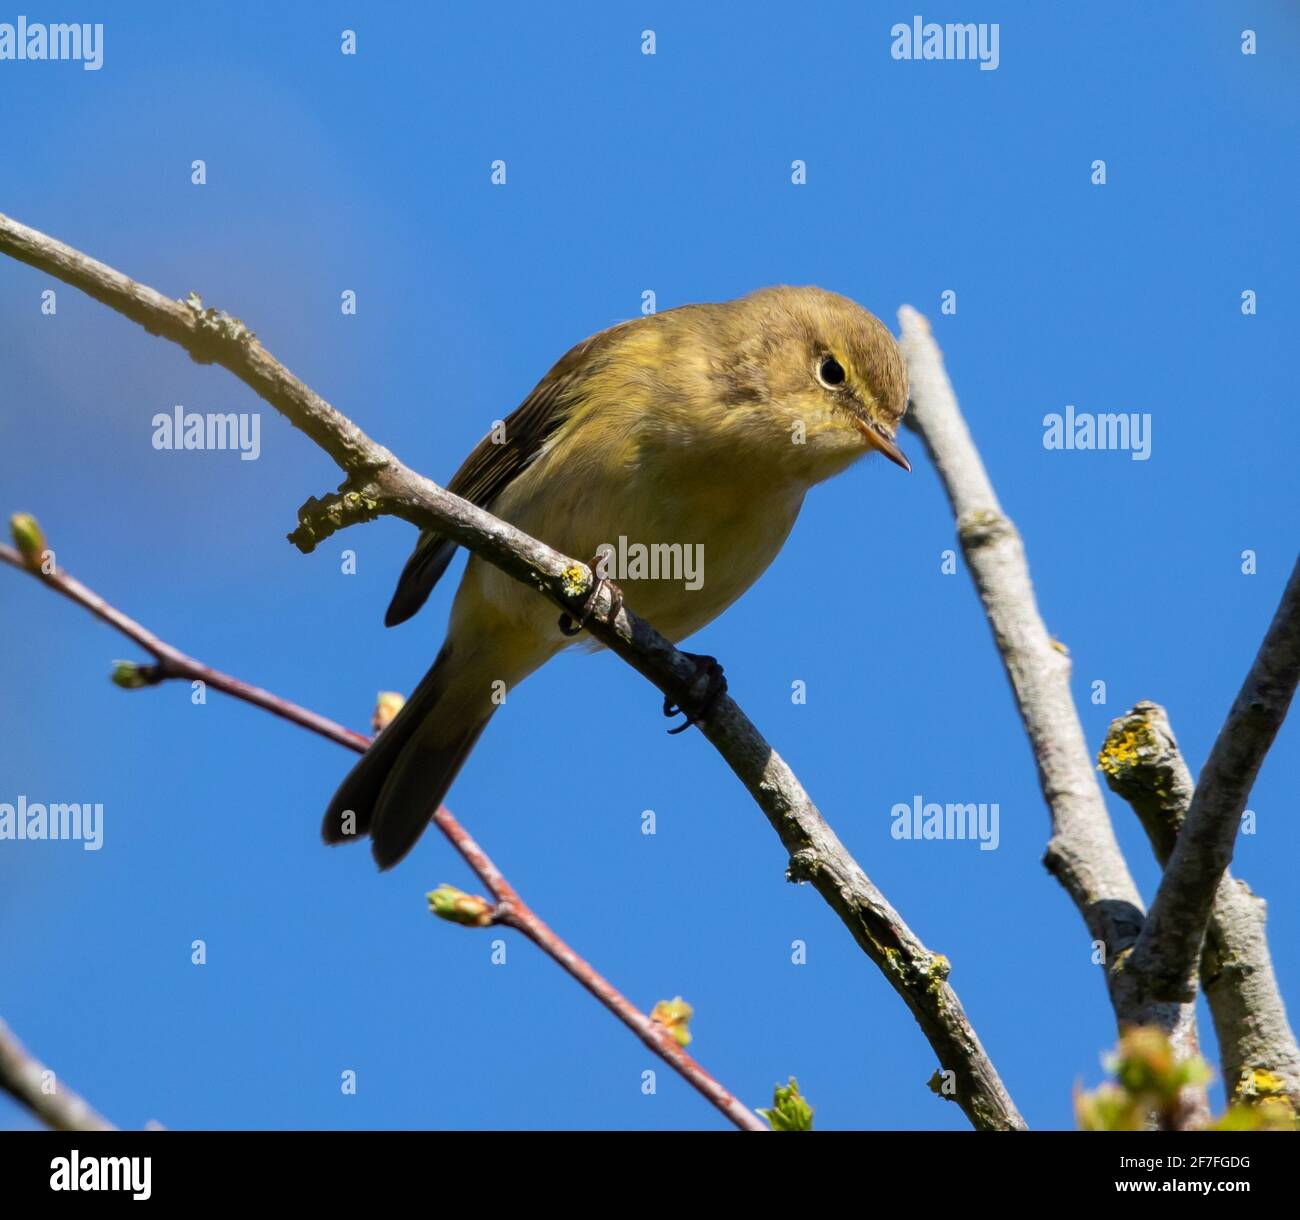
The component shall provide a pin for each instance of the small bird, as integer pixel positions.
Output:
(702, 426)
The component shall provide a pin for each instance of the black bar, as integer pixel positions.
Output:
(336, 1169)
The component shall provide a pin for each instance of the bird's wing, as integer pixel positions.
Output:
(492, 465)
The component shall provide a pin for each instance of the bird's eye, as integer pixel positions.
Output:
(830, 372)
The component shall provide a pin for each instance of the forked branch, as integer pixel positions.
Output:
(380, 484)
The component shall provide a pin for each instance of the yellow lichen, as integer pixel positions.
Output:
(1263, 1083)
(937, 974)
(1121, 750)
(574, 580)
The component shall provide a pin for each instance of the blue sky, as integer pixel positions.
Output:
(626, 173)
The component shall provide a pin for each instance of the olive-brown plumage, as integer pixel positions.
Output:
(702, 426)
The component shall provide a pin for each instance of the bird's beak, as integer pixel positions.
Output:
(886, 446)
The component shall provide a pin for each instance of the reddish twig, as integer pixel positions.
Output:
(512, 910)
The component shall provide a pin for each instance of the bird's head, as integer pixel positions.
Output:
(820, 374)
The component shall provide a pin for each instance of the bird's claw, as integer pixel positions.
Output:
(710, 672)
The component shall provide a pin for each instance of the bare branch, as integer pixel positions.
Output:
(1165, 958)
(207, 334)
(1141, 763)
(36, 1087)
(816, 854)
(511, 909)
(1083, 853)
(1257, 1048)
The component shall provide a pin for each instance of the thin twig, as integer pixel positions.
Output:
(36, 1087)
(1083, 853)
(512, 910)
(1165, 958)
(1257, 1048)
(378, 483)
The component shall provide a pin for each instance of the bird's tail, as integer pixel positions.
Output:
(402, 778)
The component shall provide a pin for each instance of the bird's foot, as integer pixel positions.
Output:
(572, 626)
(709, 681)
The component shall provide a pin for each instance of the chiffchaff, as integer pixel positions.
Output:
(702, 426)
